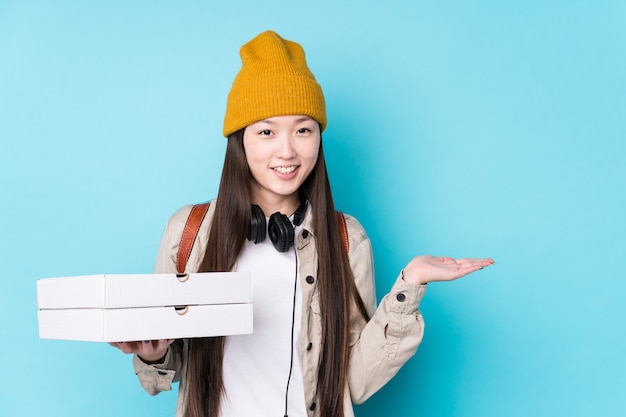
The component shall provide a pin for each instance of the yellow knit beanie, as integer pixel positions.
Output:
(274, 80)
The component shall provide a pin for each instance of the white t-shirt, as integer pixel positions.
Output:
(257, 366)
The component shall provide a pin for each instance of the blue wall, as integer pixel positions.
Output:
(455, 128)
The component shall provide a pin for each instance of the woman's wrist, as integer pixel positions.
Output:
(412, 279)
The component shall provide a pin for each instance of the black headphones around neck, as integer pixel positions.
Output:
(279, 227)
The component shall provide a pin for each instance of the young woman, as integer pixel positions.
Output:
(320, 342)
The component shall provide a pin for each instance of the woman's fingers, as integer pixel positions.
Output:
(143, 348)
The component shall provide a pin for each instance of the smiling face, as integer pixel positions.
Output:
(281, 153)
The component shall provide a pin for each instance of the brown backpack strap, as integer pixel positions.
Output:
(190, 231)
(344, 231)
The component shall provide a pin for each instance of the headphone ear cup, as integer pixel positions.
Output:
(257, 225)
(281, 232)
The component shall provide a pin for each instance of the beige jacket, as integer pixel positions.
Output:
(378, 348)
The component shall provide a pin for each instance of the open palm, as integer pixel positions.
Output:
(425, 268)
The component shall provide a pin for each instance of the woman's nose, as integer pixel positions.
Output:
(286, 149)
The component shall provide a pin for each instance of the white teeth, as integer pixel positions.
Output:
(285, 170)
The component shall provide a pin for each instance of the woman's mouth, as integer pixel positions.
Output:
(285, 170)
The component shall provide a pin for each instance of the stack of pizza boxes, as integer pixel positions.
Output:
(118, 308)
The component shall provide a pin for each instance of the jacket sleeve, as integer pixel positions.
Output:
(157, 378)
(380, 346)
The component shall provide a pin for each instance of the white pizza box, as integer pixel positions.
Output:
(144, 290)
(130, 307)
(145, 323)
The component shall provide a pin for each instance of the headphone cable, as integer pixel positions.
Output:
(293, 321)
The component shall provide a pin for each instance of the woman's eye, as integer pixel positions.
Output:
(265, 132)
(304, 130)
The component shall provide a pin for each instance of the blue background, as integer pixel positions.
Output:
(460, 128)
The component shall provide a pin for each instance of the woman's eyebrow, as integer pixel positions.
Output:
(298, 120)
